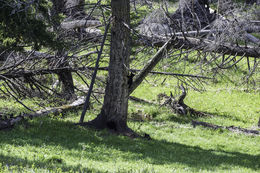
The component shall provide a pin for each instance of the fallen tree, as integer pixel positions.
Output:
(80, 24)
(6, 123)
(178, 42)
(230, 128)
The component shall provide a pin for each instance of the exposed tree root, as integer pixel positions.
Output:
(230, 128)
(118, 128)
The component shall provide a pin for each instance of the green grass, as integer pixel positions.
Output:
(57, 145)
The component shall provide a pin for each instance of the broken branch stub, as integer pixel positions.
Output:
(177, 105)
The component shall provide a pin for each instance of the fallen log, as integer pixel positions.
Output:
(205, 45)
(9, 123)
(136, 99)
(256, 22)
(208, 31)
(253, 29)
(132, 98)
(253, 39)
(248, 36)
(230, 128)
(79, 24)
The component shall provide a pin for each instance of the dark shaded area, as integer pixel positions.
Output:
(192, 15)
(50, 163)
(67, 135)
(130, 79)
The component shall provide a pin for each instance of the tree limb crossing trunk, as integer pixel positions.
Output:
(115, 107)
(150, 65)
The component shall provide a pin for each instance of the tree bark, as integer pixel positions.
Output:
(204, 45)
(65, 76)
(115, 107)
(149, 66)
(79, 24)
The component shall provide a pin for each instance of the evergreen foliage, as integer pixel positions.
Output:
(24, 23)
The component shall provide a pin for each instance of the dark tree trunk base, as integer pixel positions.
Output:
(67, 84)
(100, 123)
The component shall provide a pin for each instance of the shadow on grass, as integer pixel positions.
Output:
(54, 165)
(186, 119)
(70, 137)
(181, 119)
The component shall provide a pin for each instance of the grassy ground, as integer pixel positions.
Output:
(56, 145)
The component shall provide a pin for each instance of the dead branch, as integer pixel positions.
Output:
(79, 24)
(248, 36)
(9, 123)
(209, 31)
(182, 96)
(173, 74)
(257, 22)
(136, 99)
(230, 128)
(149, 66)
(253, 39)
(179, 107)
(203, 45)
(86, 104)
(252, 29)
(28, 73)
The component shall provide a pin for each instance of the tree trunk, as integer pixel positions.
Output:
(67, 84)
(65, 77)
(115, 107)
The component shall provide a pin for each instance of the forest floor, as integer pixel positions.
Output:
(55, 144)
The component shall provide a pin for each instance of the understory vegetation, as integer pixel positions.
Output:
(55, 144)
